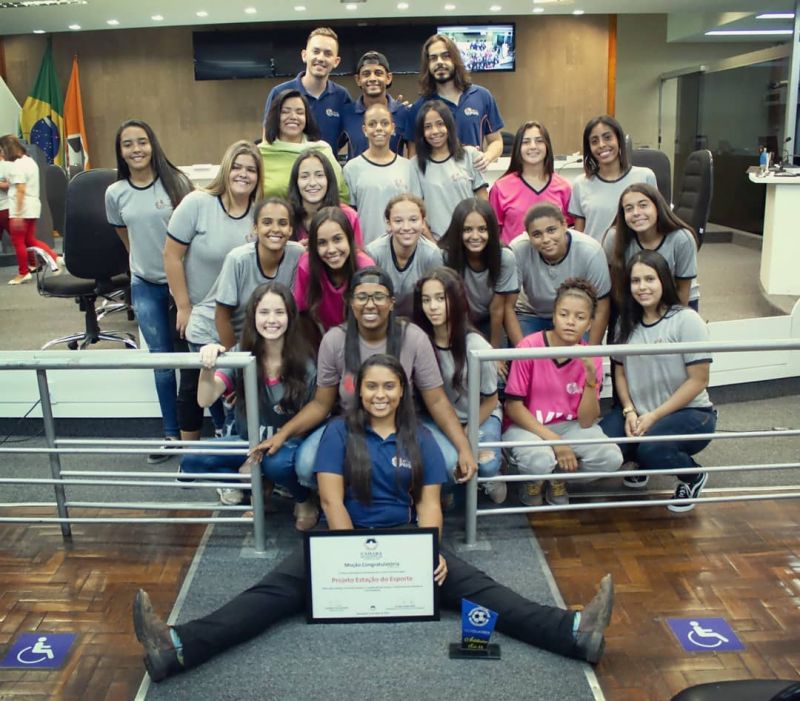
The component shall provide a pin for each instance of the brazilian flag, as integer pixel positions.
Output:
(41, 121)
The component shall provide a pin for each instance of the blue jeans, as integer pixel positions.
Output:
(190, 413)
(307, 456)
(531, 324)
(278, 468)
(151, 304)
(669, 454)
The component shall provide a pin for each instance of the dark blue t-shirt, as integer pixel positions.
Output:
(327, 108)
(476, 115)
(392, 504)
(353, 119)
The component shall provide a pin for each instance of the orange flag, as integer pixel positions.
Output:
(77, 147)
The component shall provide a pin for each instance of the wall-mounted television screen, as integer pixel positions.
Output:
(484, 47)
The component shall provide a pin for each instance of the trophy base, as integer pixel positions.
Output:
(490, 652)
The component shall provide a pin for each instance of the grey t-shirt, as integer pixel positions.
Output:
(416, 357)
(540, 280)
(447, 365)
(443, 185)
(371, 187)
(597, 200)
(426, 256)
(241, 273)
(201, 223)
(652, 379)
(479, 293)
(145, 212)
(678, 249)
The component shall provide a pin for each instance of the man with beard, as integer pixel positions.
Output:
(326, 98)
(443, 76)
(374, 77)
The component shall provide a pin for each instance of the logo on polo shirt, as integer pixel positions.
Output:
(401, 462)
(330, 112)
(471, 112)
(573, 388)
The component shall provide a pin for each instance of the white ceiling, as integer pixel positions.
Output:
(94, 14)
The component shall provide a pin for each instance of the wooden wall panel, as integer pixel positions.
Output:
(561, 79)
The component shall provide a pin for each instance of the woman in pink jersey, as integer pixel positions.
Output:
(550, 399)
(529, 180)
(324, 271)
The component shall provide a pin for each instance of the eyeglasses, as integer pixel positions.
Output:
(378, 298)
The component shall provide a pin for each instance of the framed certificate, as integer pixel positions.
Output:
(372, 575)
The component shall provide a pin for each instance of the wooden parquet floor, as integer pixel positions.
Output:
(738, 561)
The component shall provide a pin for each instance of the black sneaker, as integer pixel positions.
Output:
(636, 481)
(688, 490)
(158, 458)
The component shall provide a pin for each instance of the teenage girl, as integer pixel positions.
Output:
(205, 227)
(310, 190)
(325, 269)
(378, 174)
(646, 222)
(554, 399)
(440, 310)
(139, 205)
(443, 172)
(290, 129)
(24, 207)
(472, 248)
(529, 180)
(271, 258)
(666, 394)
(606, 173)
(404, 253)
(286, 381)
(377, 468)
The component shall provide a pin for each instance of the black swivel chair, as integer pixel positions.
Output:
(658, 162)
(743, 690)
(508, 142)
(693, 198)
(44, 225)
(96, 260)
(56, 178)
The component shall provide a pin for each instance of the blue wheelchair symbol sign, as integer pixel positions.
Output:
(39, 651)
(705, 634)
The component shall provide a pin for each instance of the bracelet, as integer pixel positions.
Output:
(590, 386)
(628, 410)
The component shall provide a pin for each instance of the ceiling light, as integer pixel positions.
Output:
(776, 15)
(577, 12)
(250, 10)
(351, 6)
(74, 27)
(402, 5)
(747, 32)
(38, 31)
(201, 13)
(449, 7)
(299, 8)
(495, 8)
(112, 22)
(157, 18)
(538, 10)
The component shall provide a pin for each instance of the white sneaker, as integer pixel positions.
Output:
(496, 491)
(20, 279)
(230, 496)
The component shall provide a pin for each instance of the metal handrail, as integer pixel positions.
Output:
(42, 361)
(475, 357)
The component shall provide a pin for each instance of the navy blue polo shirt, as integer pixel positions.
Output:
(476, 115)
(327, 109)
(353, 119)
(392, 504)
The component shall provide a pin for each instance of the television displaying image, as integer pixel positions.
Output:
(484, 47)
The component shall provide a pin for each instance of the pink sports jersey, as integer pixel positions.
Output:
(331, 305)
(551, 391)
(511, 198)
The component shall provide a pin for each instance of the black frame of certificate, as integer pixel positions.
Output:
(433, 534)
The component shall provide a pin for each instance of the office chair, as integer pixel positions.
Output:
(742, 690)
(658, 162)
(44, 226)
(693, 199)
(56, 179)
(96, 260)
(508, 142)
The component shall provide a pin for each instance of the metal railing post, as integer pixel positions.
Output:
(55, 458)
(253, 438)
(473, 396)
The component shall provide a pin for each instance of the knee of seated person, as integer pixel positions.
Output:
(488, 462)
(537, 463)
(651, 455)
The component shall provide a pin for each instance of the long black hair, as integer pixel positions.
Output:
(461, 76)
(631, 312)
(590, 166)
(516, 164)
(457, 318)
(272, 122)
(394, 328)
(423, 147)
(294, 356)
(174, 181)
(331, 198)
(357, 464)
(452, 242)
